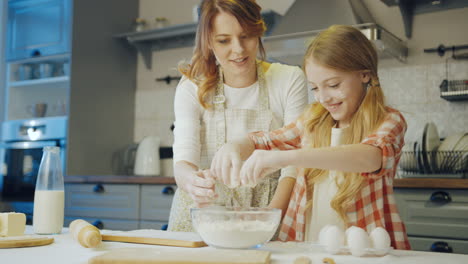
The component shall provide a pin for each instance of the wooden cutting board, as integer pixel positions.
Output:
(156, 237)
(188, 256)
(25, 241)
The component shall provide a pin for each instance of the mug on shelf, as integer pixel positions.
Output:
(24, 72)
(44, 70)
(38, 109)
(62, 68)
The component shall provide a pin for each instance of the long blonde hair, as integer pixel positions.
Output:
(203, 70)
(343, 48)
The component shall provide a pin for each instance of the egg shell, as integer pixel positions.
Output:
(334, 239)
(358, 241)
(321, 238)
(380, 240)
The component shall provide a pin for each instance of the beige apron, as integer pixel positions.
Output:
(213, 136)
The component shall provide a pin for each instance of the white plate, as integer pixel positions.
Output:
(431, 142)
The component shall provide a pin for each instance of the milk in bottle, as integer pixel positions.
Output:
(49, 198)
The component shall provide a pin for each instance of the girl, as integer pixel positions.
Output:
(348, 144)
(227, 92)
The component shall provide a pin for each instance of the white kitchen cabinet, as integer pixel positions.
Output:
(96, 91)
(115, 201)
(156, 201)
(119, 206)
(435, 219)
(38, 28)
(23, 92)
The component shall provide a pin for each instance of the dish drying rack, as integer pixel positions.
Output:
(433, 164)
(454, 90)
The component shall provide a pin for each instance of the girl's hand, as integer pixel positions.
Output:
(259, 164)
(226, 165)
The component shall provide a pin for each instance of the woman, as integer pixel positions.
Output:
(225, 93)
(348, 144)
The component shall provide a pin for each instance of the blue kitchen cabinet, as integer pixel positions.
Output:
(38, 28)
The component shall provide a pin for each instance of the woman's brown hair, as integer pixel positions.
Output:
(202, 69)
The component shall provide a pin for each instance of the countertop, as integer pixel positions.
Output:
(431, 183)
(398, 183)
(66, 250)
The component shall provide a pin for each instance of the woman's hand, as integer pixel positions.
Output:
(226, 165)
(260, 164)
(199, 185)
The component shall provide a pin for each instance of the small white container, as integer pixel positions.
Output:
(147, 157)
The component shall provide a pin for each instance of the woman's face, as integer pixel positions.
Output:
(340, 92)
(234, 48)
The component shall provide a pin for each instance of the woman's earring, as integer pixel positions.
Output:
(368, 86)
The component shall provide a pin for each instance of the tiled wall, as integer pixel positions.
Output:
(155, 100)
(414, 90)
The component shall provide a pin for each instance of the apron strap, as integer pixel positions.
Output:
(219, 102)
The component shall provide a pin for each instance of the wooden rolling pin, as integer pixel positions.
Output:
(87, 234)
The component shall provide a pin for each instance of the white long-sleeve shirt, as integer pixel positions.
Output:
(287, 94)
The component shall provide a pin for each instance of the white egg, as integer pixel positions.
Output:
(380, 240)
(357, 240)
(321, 238)
(333, 239)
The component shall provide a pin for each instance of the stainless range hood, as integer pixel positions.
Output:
(290, 48)
(306, 18)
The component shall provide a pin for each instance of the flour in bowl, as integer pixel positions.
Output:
(236, 233)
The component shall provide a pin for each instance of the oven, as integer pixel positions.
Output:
(20, 157)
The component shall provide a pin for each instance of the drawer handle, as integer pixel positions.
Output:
(99, 224)
(98, 188)
(441, 246)
(168, 190)
(440, 197)
(164, 227)
(35, 53)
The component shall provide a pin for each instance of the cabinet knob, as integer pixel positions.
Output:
(98, 188)
(164, 227)
(99, 224)
(440, 197)
(168, 190)
(441, 246)
(35, 53)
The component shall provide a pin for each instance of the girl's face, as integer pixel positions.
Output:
(233, 47)
(340, 92)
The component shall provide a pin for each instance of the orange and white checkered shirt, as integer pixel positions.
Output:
(374, 206)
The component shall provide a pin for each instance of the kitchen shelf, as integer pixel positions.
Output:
(410, 8)
(60, 79)
(454, 90)
(455, 96)
(176, 36)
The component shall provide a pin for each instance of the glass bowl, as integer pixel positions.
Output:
(235, 227)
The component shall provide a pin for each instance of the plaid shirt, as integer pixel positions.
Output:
(374, 206)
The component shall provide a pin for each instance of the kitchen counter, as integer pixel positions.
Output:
(67, 250)
(398, 183)
(120, 179)
(431, 183)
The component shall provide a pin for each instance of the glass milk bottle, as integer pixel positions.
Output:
(49, 197)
